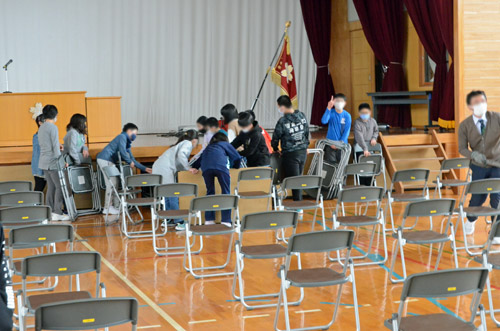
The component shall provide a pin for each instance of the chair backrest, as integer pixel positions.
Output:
(21, 198)
(25, 214)
(214, 203)
(256, 174)
(143, 180)
(376, 159)
(40, 235)
(321, 241)
(361, 194)
(270, 220)
(176, 190)
(16, 186)
(61, 264)
(444, 283)
(411, 175)
(455, 163)
(428, 208)
(86, 314)
(361, 169)
(302, 182)
(484, 186)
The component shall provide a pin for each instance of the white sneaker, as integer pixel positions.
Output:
(58, 217)
(469, 227)
(105, 211)
(228, 224)
(496, 241)
(113, 211)
(209, 222)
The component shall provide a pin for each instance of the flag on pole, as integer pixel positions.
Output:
(283, 73)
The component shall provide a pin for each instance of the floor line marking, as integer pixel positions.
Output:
(255, 316)
(134, 288)
(202, 321)
(307, 311)
(148, 327)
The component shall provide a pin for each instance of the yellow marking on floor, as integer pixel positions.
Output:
(255, 316)
(409, 300)
(203, 321)
(307, 311)
(148, 327)
(134, 288)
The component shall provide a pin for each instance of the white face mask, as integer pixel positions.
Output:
(480, 109)
(55, 119)
(246, 130)
(339, 105)
(280, 112)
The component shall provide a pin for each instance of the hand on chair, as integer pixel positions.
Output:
(149, 170)
(367, 153)
(193, 171)
(373, 142)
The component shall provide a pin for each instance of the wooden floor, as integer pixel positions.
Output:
(171, 299)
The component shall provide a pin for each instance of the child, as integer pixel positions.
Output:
(201, 124)
(212, 127)
(48, 138)
(214, 162)
(74, 140)
(339, 121)
(292, 130)
(175, 159)
(230, 115)
(109, 156)
(251, 141)
(35, 170)
(365, 132)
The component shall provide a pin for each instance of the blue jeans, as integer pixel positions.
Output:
(478, 199)
(173, 204)
(224, 179)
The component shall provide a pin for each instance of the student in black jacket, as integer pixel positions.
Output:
(251, 143)
(6, 292)
(292, 130)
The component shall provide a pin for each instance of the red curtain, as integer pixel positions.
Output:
(443, 12)
(423, 16)
(317, 17)
(382, 22)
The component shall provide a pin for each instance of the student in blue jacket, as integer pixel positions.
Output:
(338, 120)
(214, 162)
(109, 157)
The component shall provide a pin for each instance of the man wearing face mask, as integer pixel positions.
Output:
(338, 120)
(251, 143)
(479, 140)
(109, 157)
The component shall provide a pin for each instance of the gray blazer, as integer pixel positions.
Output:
(48, 139)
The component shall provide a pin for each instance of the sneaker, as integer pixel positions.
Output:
(180, 227)
(228, 224)
(469, 227)
(113, 211)
(301, 213)
(496, 241)
(105, 211)
(209, 222)
(58, 217)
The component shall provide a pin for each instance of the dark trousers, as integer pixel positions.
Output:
(363, 180)
(478, 199)
(224, 179)
(40, 184)
(292, 164)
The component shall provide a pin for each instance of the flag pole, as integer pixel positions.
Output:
(287, 25)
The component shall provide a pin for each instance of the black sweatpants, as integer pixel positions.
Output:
(39, 184)
(292, 164)
(363, 180)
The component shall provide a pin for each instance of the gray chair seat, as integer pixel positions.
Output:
(452, 182)
(407, 196)
(493, 259)
(140, 201)
(358, 220)
(35, 301)
(304, 204)
(179, 213)
(129, 191)
(433, 322)
(423, 237)
(264, 251)
(315, 277)
(253, 194)
(481, 211)
(209, 230)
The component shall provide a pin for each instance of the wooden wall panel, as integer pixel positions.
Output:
(104, 118)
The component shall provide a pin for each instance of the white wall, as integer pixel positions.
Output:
(170, 60)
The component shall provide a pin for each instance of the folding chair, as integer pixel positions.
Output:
(16, 186)
(177, 190)
(356, 170)
(138, 181)
(483, 186)
(428, 208)
(441, 284)
(87, 314)
(112, 172)
(20, 198)
(361, 195)
(317, 242)
(406, 176)
(300, 183)
(491, 260)
(12, 217)
(379, 161)
(270, 221)
(256, 174)
(52, 265)
(210, 203)
(447, 166)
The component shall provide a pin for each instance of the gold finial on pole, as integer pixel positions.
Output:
(287, 25)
